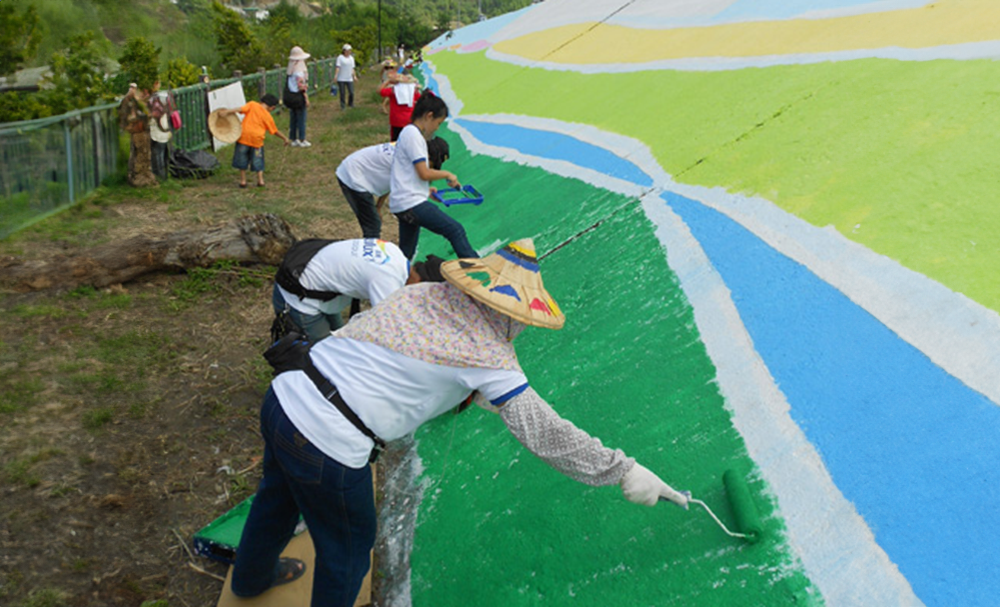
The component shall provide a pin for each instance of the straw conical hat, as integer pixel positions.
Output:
(508, 281)
(226, 129)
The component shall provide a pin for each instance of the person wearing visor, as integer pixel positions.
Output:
(346, 75)
(416, 355)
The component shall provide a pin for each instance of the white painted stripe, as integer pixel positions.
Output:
(958, 334)
(967, 51)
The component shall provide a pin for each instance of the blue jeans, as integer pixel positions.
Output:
(297, 124)
(336, 501)
(428, 215)
(246, 157)
(316, 326)
(363, 205)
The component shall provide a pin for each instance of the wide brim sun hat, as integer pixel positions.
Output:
(298, 54)
(509, 282)
(226, 129)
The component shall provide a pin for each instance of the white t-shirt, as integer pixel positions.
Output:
(407, 189)
(292, 82)
(393, 394)
(346, 66)
(363, 268)
(156, 130)
(368, 169)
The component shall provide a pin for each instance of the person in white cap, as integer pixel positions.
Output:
(346, 75)
(420, 352)
(296, 96)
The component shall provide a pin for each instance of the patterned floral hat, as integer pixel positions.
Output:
(508, 281)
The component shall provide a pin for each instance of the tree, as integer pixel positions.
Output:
(443, 22)
(278, 34)
(180, 72)
(19, 37)
(285, 12)
(140, 63)
(22, 106)
(363, 39)
(238, 47)
(77, 76)
(191, 7)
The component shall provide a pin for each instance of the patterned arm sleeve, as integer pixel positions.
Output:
(560, 444)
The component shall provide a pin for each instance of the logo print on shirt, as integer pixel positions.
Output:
(373, 250)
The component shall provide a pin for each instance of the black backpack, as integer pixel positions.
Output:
(294, 263)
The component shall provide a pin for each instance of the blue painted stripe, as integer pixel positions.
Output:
(556, 146)
(748, 10)
(913, 448)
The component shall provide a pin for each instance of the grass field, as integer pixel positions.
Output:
(128, 414)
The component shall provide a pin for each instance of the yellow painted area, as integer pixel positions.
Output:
(942, 23)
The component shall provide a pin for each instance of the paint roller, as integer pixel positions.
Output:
(740, 502)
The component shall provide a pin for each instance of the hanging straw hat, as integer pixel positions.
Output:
(226, 129)
(297, 54)
(508, 281)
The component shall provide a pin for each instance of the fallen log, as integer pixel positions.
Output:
(251, 239)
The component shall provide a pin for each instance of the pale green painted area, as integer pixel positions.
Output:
(900, 156)
(499, 527)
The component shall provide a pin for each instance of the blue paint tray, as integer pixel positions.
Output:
(464, 195)
(220, 538)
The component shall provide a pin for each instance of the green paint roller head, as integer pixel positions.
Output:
(747, 519)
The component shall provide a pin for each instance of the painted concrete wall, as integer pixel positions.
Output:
(772, 229)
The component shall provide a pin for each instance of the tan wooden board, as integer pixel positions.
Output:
(299, 592)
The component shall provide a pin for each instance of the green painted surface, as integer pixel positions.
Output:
(499, 527)
(900, 156)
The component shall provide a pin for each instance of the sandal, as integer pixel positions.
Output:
(243, 185)
(289, 570)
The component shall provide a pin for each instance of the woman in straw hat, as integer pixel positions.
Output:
(296, 96)
(416, 355)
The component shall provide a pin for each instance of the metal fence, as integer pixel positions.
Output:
(48, 165)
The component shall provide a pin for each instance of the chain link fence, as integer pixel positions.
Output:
(47, 165)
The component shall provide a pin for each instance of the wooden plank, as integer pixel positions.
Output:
(299, 592)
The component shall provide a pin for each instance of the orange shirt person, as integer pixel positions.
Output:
(257, 122)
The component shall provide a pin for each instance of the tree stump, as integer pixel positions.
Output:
(251, 239)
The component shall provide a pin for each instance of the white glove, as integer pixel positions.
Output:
(641, 486)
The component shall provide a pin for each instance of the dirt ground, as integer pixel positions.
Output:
(128, 415)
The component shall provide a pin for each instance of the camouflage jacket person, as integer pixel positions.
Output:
(133, 116)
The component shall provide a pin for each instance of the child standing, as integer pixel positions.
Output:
(410, 182)
(402, 94)
(257, 121)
